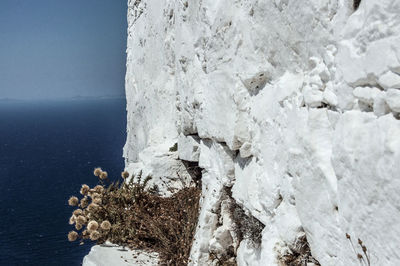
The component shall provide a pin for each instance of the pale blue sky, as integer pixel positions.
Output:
(62, 48)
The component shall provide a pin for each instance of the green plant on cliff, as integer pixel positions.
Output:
(129, 215)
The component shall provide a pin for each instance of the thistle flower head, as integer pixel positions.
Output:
(97, 201)
(92, 207)
(105, 225)
(78, 226)
(97, 171)
(103, 175)
(84, 189)
(77, 212)
(84, 202)
(94, 235)
(92, 226)
(73, 201)
(95, 195)
(81, 219)
(347, 236)
(85, 234)
(125, 174)
(72, 236)
(99, 189)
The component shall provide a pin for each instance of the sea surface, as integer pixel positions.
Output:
(47, 150)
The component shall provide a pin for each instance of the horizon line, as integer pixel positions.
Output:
(75, 98)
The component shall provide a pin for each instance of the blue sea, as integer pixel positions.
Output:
(47, 150)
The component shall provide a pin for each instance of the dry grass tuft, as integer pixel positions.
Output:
(129, 215)
(246, 226)
(299, 255)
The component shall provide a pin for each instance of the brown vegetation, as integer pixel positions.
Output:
(365, 258)
(128, 215)
(246, 226)
(299, 255)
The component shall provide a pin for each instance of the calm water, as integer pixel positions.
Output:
(47, 150)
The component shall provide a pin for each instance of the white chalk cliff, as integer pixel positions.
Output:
(293, 104)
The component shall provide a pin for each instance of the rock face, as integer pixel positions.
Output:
(293, 105)
(118, 256)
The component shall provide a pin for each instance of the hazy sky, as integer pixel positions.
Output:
(62, 48)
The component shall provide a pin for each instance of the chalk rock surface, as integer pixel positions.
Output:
(107, 255)
(292, 106)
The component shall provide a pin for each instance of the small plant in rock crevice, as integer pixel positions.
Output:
(242, 227)
(128, 215)
(246, 226)
(228, 259)
(363, 258)
(356, 4)
(299, 254)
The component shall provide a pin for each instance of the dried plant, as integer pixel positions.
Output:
(105, 225)
(84, 189)
(299, 254)
(73, 201)
(103, 175)
(246, 226)
(97, 171)
(72, 236)
(81, 219)
(77, 212)
(124, 174)
(92, 226)
(99, 189)
(84, 202)
(128, 215)
(227, 259)
(364, 249)
(95, 235)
